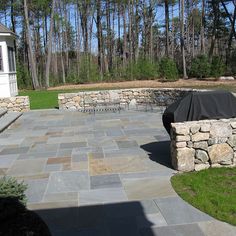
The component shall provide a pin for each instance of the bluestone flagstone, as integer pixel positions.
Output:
(177, 211)
(68, 181)
(105, 181)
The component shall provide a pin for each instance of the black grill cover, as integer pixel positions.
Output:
(200, 106)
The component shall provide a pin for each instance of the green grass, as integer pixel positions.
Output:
(44, 99)
(212, 191)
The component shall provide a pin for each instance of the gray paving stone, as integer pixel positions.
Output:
(127, 144)
(99, 196)
(114, 132)
(125, 152)
(53, 167)
(79, 157)
(35, 189)
(105, 181)
(176, 230)
(177, 211)
(64, 153)
(57, 197)
(73, 145)
(68, 181)
(7, 160)
(18, 150)
(217, 228)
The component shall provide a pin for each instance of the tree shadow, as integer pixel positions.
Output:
(15, 219)
(159, 152)
(116, 219)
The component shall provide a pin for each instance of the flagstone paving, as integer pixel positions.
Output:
(102, 175)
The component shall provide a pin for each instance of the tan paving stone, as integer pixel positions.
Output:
(115, 165)
(27, 167)
(148, 188)
(82, 165)
(52, 205)
(58, 160)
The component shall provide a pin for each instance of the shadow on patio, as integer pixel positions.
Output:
(117, 219)
(159, 152)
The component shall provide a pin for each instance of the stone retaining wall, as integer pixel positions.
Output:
(19, 103)
(130, 97)
(197, 145)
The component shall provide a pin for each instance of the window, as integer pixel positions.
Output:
(1, 59)
(11, 59)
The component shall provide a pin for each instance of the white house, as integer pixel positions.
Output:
(8, 82)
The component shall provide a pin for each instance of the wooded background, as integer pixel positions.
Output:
(74, 41)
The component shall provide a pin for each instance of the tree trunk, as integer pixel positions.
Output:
(203, 50)
(32, 62)
(49, 51)
(182, 41)
(167, 26)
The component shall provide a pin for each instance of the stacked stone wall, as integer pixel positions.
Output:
(127, 97)
(198, 145)
(19, 103)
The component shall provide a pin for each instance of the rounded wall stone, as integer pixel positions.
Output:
(220, 153)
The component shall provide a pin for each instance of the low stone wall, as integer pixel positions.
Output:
(130, 97)
(19, 103)
(198, 145)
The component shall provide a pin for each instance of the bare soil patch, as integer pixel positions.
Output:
(189, 83)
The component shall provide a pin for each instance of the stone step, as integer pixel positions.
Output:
(2, 112)
(7, 119)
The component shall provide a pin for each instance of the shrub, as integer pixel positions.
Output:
(168, 69)
(142, 69)
(200, 67)
(232, 63)
(9, 187)
(217, 67)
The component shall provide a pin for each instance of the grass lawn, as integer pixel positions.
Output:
(212, 191)
(43, 99)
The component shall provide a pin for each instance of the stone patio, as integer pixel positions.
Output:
(103, 175)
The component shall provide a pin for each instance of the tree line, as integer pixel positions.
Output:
(75, 41)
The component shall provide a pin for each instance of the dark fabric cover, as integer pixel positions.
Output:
(200, 106)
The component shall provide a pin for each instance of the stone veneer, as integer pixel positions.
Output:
(197, 145)
(130, 97)
(19, 103)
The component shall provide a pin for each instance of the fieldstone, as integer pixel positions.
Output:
(233, 125)
(205, 128)
(226, 163)
(219, 140)
(194, 129)
(232, 141)
(220, 130)
(201, 155)
(182, 138)
(181, 129)
(220, 152)
(216, 165)
(183, 159)
(133, 104)
(200, 137)
(196, 161)
(201, 145)
(189, 144)
(202, 166)
(181, 144)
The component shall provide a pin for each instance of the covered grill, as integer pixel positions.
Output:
(200, 106)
